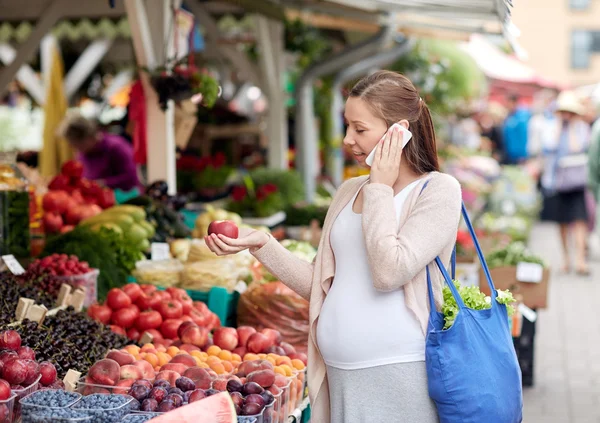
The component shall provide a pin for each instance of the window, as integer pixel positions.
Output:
(579, 4)
(581, 49)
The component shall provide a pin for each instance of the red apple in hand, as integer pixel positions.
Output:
(224, 227)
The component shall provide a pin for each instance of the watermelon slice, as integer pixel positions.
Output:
(215, 409)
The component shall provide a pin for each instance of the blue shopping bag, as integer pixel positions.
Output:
(472, 368)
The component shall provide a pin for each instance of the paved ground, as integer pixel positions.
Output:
(567, 374)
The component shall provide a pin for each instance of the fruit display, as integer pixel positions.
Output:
(72, 198)
(14, 208)
(52, 271)
(128, 221)
(211, 214)
(14, 287)
(69, 340)
(44, 403)
(136, 309)
(167, 222)
(104, 408)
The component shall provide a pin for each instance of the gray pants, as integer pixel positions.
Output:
(384, 394)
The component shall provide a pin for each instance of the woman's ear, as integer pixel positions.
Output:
(404, 123)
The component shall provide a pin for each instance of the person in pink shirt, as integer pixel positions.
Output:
(106, 158)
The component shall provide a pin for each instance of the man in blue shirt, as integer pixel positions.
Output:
(515, 132)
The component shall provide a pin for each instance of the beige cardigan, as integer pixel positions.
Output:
(428, 226)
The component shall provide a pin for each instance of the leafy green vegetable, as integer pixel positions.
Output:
(127, 252)
(289, 183)
(474, 299)
(511, 255)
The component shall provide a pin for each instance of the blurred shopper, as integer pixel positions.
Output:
(594, 165)
(106, 158)
(515, 131)
(490, 122)
(564, 178)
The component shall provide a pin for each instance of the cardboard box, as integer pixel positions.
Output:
(535, 295)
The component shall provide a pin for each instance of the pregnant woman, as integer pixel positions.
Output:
(367, 286)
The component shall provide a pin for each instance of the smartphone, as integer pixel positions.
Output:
(406, 134)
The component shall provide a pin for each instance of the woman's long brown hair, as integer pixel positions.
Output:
(393, 97)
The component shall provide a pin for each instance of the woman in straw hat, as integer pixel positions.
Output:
(564, 178)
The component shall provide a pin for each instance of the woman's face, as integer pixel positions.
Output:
(364, 129)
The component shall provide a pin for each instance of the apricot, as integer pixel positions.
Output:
(172, 351)
(163, 358)
(213, 350)
(298, 364)
(225, 355)
(152, 359)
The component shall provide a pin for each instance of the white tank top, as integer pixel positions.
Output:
(360, 327)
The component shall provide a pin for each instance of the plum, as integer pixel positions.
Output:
(139, 392)
(210, 392)
(234, 385)
(268, 397)
(175, 398)
(158, 393)
(197, 395)
(252, 388)
(149, 404)
(185, 384)
(251, 409)
(166, 406)
(255, 399)
(161, 383)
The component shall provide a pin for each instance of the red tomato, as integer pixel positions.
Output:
(117, 299)
(107, 198)
(72, 169)
(170, 309)
(185, 318)
(200, 306)
(135, 309)
(164, 295)
(169, 328)
(133, 290)
(157, 337)
(147, 288)
(201, 319)
(117, 329)
(149, 320)
(124, 317)
(182, 296)
(149, 301)
(59, 182)
(100, 313)
(133, 334)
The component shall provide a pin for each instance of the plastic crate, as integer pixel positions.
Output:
(89, 281)
(6, 409)
(105, 415)
(29, 408)
(22, 393)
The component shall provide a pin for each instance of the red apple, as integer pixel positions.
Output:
(244, 333)
(226, 338)
(227, 228)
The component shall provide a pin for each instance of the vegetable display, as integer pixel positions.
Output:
(474, 299)
(167, 223)
(512, 255)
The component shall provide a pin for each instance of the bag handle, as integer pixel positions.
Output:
(448, 281)
(484, 265)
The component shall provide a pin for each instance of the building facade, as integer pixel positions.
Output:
(562, 38)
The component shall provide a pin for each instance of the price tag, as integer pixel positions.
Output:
(530, 272)
(160, 251)
(13, 264)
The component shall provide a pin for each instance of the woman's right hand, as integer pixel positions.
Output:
(248, 238)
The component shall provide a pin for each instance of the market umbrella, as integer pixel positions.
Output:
(55, 150)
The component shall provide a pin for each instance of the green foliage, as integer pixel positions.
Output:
(289, 183)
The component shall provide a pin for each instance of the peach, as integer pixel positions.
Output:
(220, 384)
(188, 348)
(185, 359)
(123, 386)
(298, 356)
(195, 335)
(176, 367)
(146, 368)
(264, 378)
(183, 327)
(168, 375)
(105, 372)
(200, 376)
(280, 380)
(244, 333)
(240, 351)
(226, 338)
(258, 342)
(130, 371)
(276, 350)
(121, 357)
(247, 367)
(273, 335)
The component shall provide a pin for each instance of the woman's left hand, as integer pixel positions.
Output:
(386, 164)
